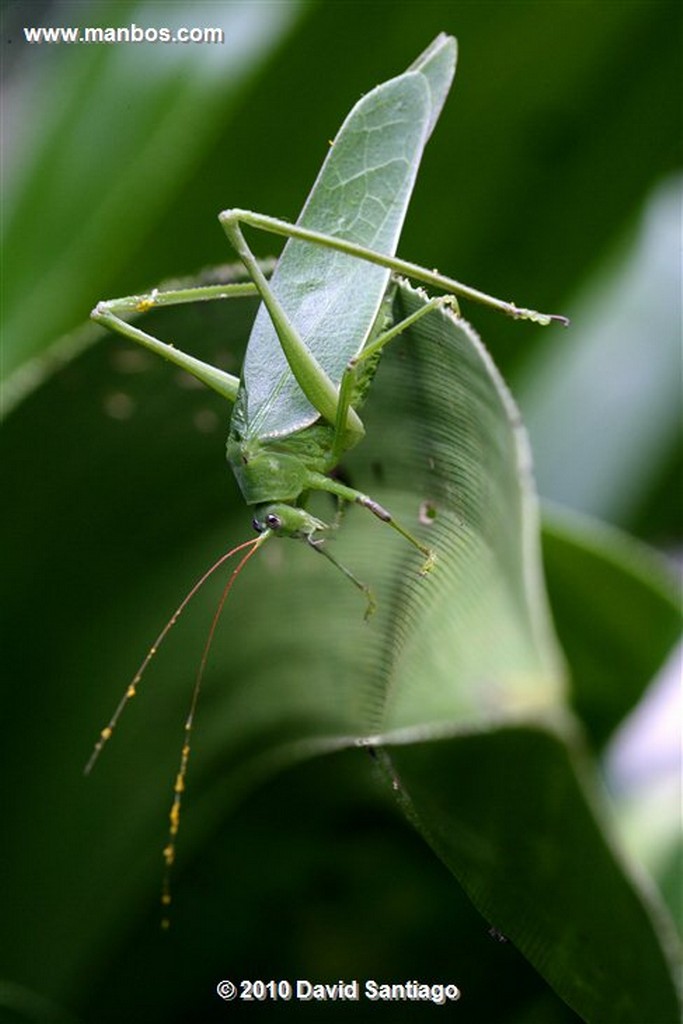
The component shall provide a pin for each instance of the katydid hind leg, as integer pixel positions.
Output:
(414, 271)
(317, 386)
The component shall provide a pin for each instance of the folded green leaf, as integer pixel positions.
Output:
(451, 668)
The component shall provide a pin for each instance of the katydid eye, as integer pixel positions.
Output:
(257, 525)
(273, 521)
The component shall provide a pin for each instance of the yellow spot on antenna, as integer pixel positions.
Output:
(106, 733)
(169, 854)
(131, 691)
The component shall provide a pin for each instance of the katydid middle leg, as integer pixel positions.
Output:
(371, 350)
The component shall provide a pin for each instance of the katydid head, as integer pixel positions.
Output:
(287, 521)
(290, 521)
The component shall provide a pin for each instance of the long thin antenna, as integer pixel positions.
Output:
(131, 689)
(179, 787)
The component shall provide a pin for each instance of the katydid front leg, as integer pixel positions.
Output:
(318, 482)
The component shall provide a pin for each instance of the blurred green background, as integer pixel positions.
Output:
(553, 179)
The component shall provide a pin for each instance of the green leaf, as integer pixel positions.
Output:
(116, 495)
(447, 661)
(617, 611)
(556, 891)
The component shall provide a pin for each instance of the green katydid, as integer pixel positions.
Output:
(317, 337)
(322, 323)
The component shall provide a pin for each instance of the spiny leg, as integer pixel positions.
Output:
(178, 296)
(412, 270)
